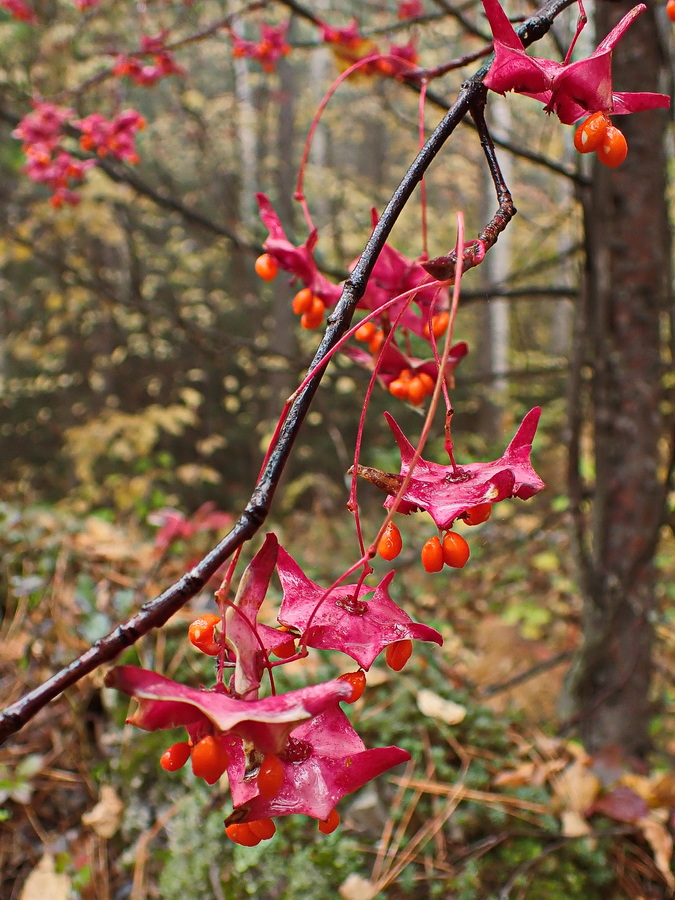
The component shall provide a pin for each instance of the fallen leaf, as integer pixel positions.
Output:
(621, 804)
(533, 773)
(44, 883)
(105, 817)
(573, 824)
(576, 787)
(661, 842)
(663, 791)
(641, 785)
(524, 774)
(578, 752)
(436, 707)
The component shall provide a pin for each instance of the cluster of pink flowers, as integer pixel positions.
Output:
(19, 11)
(116, 137)
(571, 90)
(395, 279)
(23, 13)
(268, 50)
(347, 43)
(302, 737)
(146, 73)
(174, 526)
(297, 752)
(48, 162)
(410, 9)
(349, 47)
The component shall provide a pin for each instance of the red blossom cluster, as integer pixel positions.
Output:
(285, 753)
(146, 73)
(409, 9)
(116, 136)
(18, 10)
(400, 291)
(48, 161)
(174, 526)
(571, 90)
(350, 47)
(297, 752)
(268, 50)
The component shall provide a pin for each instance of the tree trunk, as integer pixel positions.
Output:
(621, 336)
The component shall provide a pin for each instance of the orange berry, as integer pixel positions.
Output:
(590, 134)
(432, 555)
(357, 680)
(438, 325)
(455, 550)
(614, 148)
(670, 10)
(384, 67)
(367, 330)
(314, 315)
(175, 757)
(266, 267)
(200, 634)
(329, 824)
(263, 828)
(209, 759)
(478, 514)
(243, 834)
(376, 341)
(427, 381)
(270, 776)
(416, 391)
(399, 388)
(398, 654)
(390, 544)
(302, 302)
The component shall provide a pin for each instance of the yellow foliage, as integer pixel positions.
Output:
(20, 252)
(192, 473)
(124, 437)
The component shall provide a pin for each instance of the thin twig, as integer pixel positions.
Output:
(544, 666)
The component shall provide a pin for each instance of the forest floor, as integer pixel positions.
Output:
(499, 800)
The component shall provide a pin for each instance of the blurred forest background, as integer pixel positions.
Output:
(143, 366)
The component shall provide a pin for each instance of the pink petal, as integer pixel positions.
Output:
(266, 723)
(337, 763)
(502, 29)
(241, 622)
(638, 101)
(587, 83)
(446, 494)
(359, 626)
(615, 35)
(514, 70)
(299, 261)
